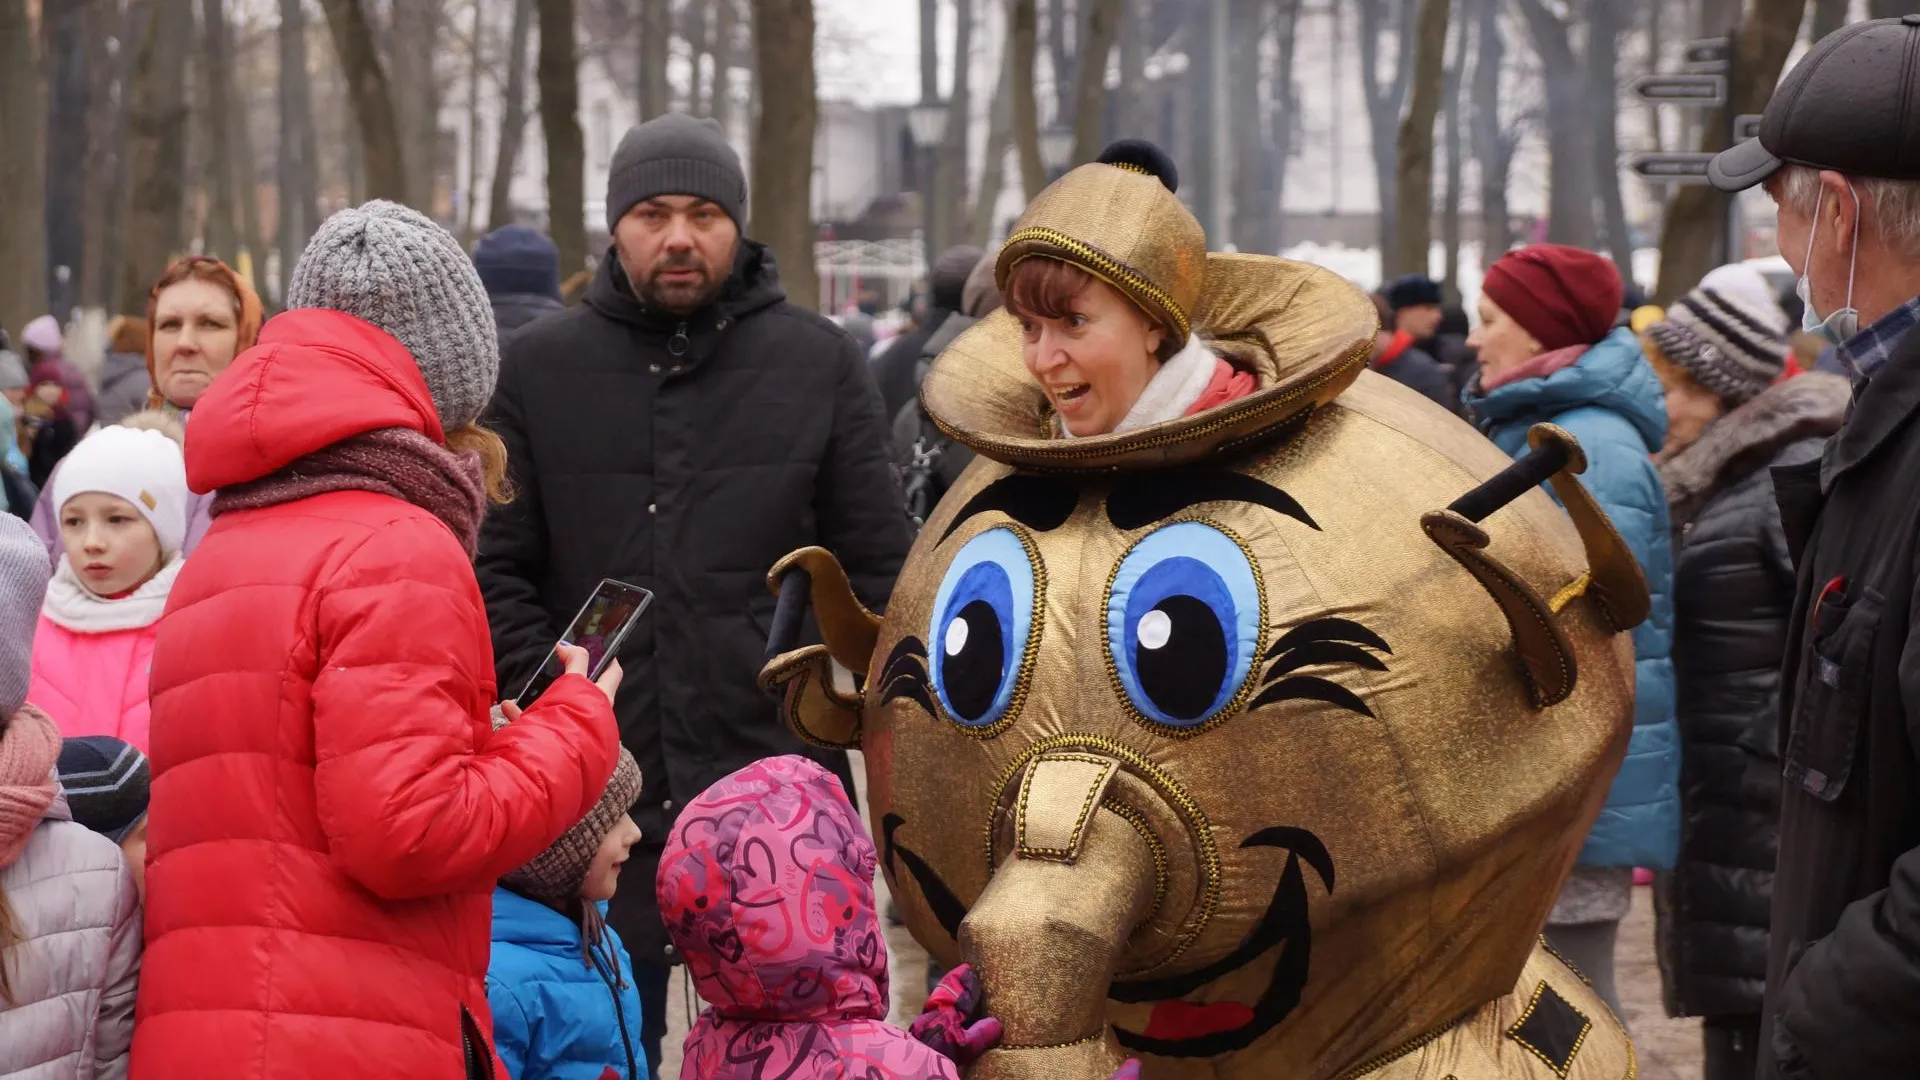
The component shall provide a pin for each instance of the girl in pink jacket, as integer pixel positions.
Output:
(121, 497)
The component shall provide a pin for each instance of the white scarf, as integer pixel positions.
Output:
(71, 606)
(1172, 390)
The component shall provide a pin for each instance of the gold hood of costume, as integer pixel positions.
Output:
(1225, 743)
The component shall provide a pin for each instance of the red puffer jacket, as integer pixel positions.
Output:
(330, 805)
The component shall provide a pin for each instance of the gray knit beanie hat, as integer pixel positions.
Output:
(390, 266)
(1730, 347)
(556, 875)
(24, 571)
(676, 154)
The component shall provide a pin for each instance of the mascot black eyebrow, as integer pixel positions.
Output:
(1254, 743)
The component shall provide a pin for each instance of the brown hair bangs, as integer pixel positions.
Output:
(1044, 288)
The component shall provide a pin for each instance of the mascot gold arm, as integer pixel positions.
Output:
(1253, 744)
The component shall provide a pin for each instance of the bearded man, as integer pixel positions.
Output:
(682, 429)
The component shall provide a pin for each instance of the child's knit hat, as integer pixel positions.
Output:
(556, 875)
(24, 571)
(146, 468)
(106, 782)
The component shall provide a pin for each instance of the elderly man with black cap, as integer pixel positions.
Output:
(1839, 151)
(682, 429)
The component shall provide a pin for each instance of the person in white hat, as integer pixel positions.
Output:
(122, 499)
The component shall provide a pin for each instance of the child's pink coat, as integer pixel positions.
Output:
(94, 684)
(766, 885)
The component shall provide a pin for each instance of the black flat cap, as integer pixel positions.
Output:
(1851, 105)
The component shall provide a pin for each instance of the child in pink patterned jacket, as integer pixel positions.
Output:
(766, 885)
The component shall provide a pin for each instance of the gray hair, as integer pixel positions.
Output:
(1896, 204)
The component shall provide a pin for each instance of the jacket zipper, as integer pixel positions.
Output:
(620, 1014)
(677, 344)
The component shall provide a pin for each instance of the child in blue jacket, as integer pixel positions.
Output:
(559, 982)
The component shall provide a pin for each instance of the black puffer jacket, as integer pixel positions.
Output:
(1733, 594)
(684, 456)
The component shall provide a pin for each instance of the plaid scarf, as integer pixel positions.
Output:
(391, 461)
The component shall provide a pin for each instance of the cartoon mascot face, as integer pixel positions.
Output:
(1227, 746)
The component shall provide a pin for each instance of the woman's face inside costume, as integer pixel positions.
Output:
(1090, 349)
(1503, 343)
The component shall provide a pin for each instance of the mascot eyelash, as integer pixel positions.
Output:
(1320, 641)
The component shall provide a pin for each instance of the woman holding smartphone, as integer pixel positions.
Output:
(330, 803)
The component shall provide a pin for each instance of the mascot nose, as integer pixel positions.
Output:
(1081, 874)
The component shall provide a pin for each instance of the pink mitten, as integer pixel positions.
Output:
(950, 1023)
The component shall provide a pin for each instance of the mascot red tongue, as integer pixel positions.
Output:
(1251, 744)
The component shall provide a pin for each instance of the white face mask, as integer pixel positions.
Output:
(1845, 323)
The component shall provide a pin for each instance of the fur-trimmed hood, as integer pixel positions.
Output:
(1813, 405)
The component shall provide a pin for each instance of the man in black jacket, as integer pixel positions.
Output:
(1843, 978)
(682, 429)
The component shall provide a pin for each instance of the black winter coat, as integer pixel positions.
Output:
(1843, 977)
(1414, 369)
(685, 456)
(511, 311)
(1732, 595)
(897, 369)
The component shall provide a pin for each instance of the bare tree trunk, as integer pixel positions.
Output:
(469, 195)
(298, 215)
(951, 182)
(157, 137)
(656, 39)
(385, 161)
(1066, 70)
(1455, 133)
(23, 213)
(1696, 214)
(1828, 16)
(929, 50)
(783, 144)
(513, 119)
(720, 86)
(1605, 23)
(1285, 114)
(993, 171)
(1384, 100)
(415, 94)
(1414, 211)
(1252, 165)
(68, 88)
(560, 121)
(216, 87)
(105, 172)
(1023, 22)
(1570, 196)
(1101, 28)
(1133, 76)
(1492, 147)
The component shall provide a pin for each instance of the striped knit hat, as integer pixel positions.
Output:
(1728, 342)
(106, 782)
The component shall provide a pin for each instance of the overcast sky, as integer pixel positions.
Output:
(869, 50)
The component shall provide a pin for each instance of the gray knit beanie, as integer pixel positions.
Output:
(556, 875)
(390, 266)
(1727, 345)
(676, 154)
(24, 571)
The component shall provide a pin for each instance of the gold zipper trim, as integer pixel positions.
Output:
(1418, 1042)
(1232, 414)
(1022, 675)
(1117, 273)
(1200, 829)
(1159, 851)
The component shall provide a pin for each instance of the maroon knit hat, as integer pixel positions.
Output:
(1561, 295)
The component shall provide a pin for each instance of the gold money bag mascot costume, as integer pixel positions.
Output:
(1254, 744)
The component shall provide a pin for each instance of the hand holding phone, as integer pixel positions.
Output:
(577, 662)
(591, 641)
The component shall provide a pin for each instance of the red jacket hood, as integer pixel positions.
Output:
(766, 885)
(315, 378)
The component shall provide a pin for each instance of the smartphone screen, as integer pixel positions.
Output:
(603, 623)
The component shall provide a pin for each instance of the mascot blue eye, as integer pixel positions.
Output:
(1183, 623)
(983, 616)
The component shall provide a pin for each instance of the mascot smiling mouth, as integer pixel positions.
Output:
(1180, 1028)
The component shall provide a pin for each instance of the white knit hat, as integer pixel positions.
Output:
(146, 468)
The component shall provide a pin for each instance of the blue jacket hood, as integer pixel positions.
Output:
(1612, 375)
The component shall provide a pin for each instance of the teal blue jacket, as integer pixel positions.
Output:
(555, 1017)
(1613, 403)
